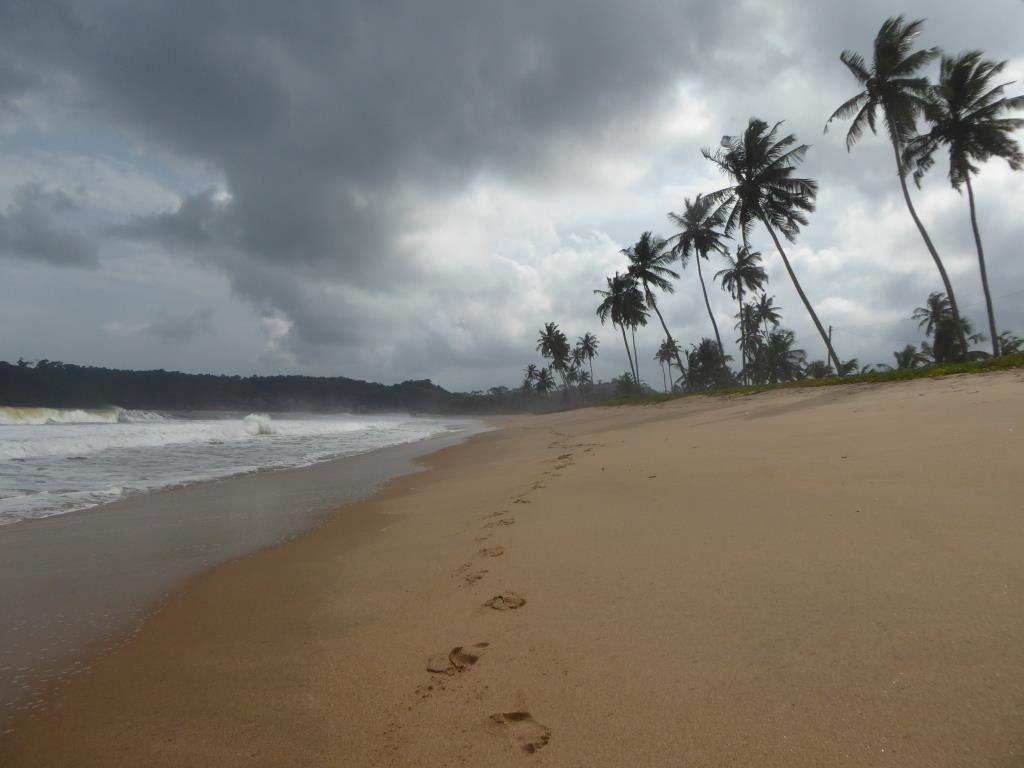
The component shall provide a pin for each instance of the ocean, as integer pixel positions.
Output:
(55, 461)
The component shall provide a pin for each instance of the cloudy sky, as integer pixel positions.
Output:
(394, 189)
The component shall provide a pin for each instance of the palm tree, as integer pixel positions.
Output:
(909, 357)
(778, 360)
(554, 346)
(767, 312)
(545, 382)
(648, 265)
(667, 352)
(966, 116)
(931, 314)
(529, 376)
(587, 346)
(624, 305)
(818, 369)
(891, 88)
(699, 233)
(764, 189)
(1010, 344)
(744, 272)
(706, 369)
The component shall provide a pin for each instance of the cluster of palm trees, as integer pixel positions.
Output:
(965, 113)
(574, 365)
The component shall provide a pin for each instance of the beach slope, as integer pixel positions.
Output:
(820, 577)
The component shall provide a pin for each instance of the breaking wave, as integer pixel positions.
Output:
(11, 416)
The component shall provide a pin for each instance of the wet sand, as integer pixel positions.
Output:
(806, 578)
(73, 585)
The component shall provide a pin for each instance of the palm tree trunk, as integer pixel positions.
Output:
(718, 337)
(625, 341)
(636, 355)
(664, 380)
(671, 341)
(591, 361)
(984, 272)
(928, 243)
(803, 296)
(743, 338)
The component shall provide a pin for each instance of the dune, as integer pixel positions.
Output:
(821, 577)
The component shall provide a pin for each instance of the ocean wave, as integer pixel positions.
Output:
(16, 416)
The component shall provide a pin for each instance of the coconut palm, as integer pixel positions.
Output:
(1010, 344)
(667, 352)
(909, 357)
(767, 312)
(587, 346)
(764, 189)
(892, 90)
(777, 360)
(545, 381)
(931, 314)
(530, 376)
(744, 272)
(966, 112)
(554, 346)
(700, 226)
(706, 369)
(818, 369)
(648, 265)
(623, 303)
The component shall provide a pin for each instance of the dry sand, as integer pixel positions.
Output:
(808, 578)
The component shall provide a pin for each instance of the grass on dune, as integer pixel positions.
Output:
(1007, 362)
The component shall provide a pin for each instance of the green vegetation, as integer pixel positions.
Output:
(987, 365)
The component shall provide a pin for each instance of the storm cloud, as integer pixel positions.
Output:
(398, 189)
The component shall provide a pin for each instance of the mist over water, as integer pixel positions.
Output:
(54, 461)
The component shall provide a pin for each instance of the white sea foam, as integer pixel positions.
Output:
(57, 460)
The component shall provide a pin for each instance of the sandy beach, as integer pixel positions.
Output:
(817, 577)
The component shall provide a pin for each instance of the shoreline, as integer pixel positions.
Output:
(78, 584)
(799, 578)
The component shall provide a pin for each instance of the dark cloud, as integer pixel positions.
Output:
(31, 229)
(385, 183)
(178, 329)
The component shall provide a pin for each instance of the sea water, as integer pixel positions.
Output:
(54, 461)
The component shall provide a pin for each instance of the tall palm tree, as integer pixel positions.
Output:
(744, 272)
(764, 189)
(623, 303)
(554, 346)
(700, 226)
(767, 312)
(587, 345)
(891, 88)
(648, 265)
(966, 112)
(667, 352)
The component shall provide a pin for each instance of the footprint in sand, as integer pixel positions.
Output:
(474, 576)
(458, 659)
(506, 601)
(497, 551)
(521, 500)
(525, 732)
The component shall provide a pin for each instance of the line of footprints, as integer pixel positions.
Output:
(523, 731)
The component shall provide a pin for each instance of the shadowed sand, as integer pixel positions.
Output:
(806, 578)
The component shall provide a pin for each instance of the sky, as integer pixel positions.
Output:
(393, 189)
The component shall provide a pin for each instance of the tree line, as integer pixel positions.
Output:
(965, 114)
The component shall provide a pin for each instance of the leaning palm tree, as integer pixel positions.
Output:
(891, 88)
(587, 346)
(700, 232)
(623, 304)
(764, 189)
(744, 272)
(648, 265)
(967, 117)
